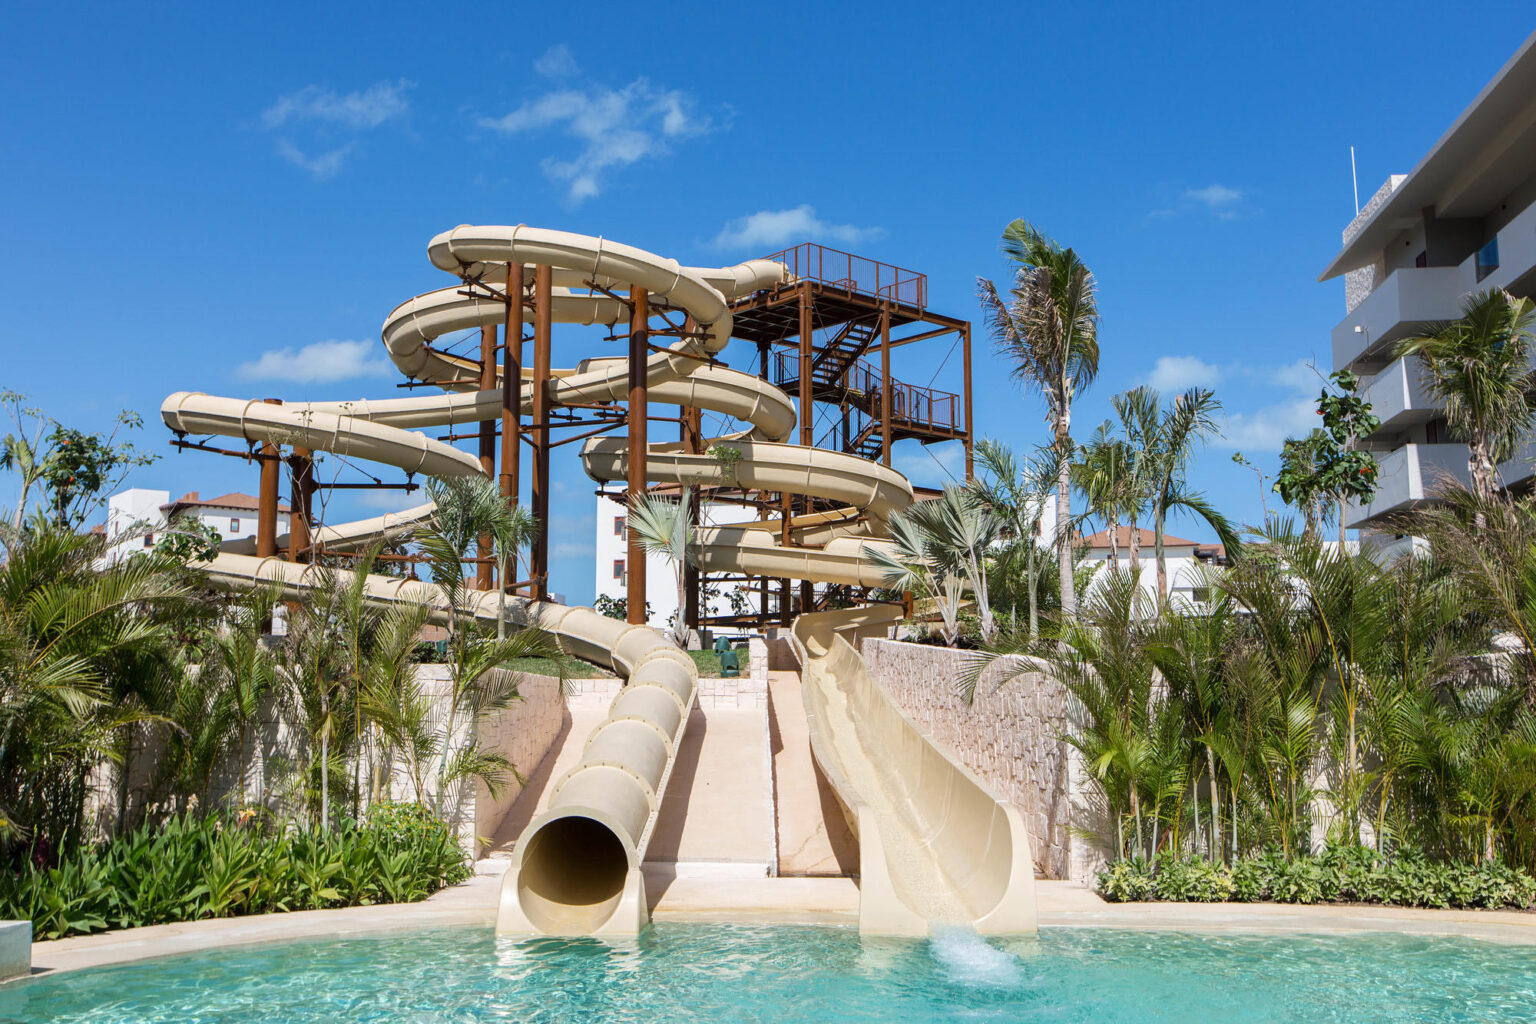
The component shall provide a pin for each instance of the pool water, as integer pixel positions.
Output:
(725, 974)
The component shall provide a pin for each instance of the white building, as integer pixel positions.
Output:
(137, 517)
(1463, 220)
(1187, 562)
(612, 553)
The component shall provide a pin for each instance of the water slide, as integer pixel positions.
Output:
(936, 845)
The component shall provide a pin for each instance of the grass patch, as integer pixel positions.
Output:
(574, 668)
(708, 662)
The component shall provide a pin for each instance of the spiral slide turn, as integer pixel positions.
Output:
(576, 868)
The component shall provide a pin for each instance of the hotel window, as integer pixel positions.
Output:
(618, 568)
(234, 526)
(149, 540)
(1488, 258)
(618, 526)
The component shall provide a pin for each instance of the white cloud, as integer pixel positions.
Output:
(1180, 373)
(768, 228)
(1265, 429)
(366, 108)
(1220, 201)
(323, 115)
(319, 363)
(321, 167)
(557, 62)
(614, 128)
(1217, 198)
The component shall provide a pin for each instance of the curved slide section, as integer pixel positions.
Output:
(578, 870)
(936, 845)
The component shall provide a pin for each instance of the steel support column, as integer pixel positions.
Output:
(970, 438)
(512, 389)
(485, 572)
(301, 467)
(634, 561)
(543, 326)
(885, 387)
(266, 496)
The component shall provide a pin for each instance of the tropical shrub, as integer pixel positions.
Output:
(192, 868)
(1340, 874)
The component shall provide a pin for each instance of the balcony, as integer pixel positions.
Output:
(1398, 396)
(1416, 471)
(1408, 476)
(1405, 302)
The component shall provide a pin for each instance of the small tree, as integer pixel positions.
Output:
(665, 527)
(1325, 466)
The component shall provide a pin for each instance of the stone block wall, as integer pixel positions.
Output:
(1010, 736)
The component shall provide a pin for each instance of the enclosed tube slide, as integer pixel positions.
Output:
(576, 868)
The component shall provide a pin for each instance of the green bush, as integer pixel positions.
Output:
(1126, 881)
(1192, 881)
(192, 868)
(1337, 875)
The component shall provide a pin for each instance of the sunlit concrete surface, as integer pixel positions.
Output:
(814, 837)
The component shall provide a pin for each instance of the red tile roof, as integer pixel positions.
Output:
(1145, 539)
(234, 500)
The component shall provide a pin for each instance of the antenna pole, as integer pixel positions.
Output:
(1354, 177)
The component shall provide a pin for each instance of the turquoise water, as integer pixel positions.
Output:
(727, 974)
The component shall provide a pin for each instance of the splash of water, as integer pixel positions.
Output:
(968, 959)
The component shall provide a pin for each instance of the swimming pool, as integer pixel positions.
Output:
(725, 974)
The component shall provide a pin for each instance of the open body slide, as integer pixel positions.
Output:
(936, 844)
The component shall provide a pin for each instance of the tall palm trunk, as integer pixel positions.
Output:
(1162, 560)
(1113, 522)
(1135, 545)
(1064, 510)
(1210, 766)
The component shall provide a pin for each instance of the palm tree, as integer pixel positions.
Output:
(913, 561)
(1016, 494)
(69, 624)
(959, 531)
(1479, 369)
(467, 510)
(1104, 474)
(1049, 330)
(1165, 446)
(665, 527)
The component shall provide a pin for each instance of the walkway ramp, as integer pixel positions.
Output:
(936, 845)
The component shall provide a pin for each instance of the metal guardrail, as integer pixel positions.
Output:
(913, 406)
(855, 273)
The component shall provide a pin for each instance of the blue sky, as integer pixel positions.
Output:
(194, 194)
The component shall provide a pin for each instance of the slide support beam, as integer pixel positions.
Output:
(634, 561)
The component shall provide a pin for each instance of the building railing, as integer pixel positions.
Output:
(810, 261)
(911, 405)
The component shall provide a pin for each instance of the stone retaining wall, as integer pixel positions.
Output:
(1010, 736)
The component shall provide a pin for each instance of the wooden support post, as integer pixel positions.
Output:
(543, 326)
(266, 496)
(512, 392)
(885, 387)
(485, 572)
(301, 467)
(970, 440)
(634, 562)
(690, 426)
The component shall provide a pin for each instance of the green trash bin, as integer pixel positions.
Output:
(730, 664)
